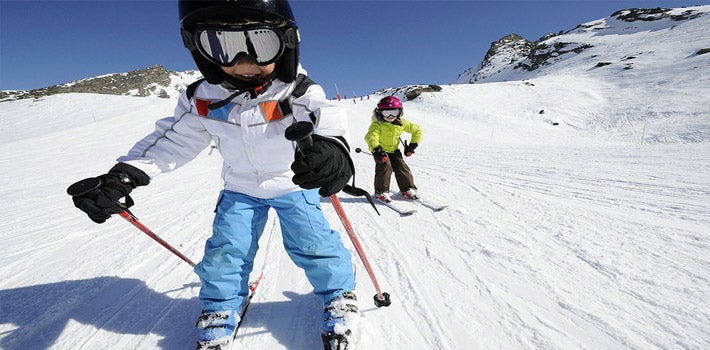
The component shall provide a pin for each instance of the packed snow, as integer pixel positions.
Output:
(589, 234)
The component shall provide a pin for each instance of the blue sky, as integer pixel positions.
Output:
(361, 46)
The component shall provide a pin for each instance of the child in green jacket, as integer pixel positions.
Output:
(383, 138)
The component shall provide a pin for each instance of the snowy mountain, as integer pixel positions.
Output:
(153, 81)
(619, 64)
(627, 40)
(588, 234)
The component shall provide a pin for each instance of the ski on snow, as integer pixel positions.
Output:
(431, 205)
(404, 211)
(398, 208)
(253, 285)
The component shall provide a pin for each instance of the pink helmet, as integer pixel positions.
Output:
(389, 102)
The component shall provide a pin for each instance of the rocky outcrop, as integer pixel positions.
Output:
(515, 52)
(410, 92)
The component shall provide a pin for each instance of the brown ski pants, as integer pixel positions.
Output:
(383, 173)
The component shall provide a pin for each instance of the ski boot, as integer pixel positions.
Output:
(383, 197)
(410, 194)
(217, 329)
(340, 317)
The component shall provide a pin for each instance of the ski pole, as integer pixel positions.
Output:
(301, 133)
(404, 143)
(381, 298)
(383, 160)
(134, 220)
(93, 183)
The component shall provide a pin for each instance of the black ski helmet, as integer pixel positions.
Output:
(193, 13)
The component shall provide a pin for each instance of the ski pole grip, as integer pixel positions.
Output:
(301, 133)
(84, 186)
(359, 150)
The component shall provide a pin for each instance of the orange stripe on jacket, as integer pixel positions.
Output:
(271, 110)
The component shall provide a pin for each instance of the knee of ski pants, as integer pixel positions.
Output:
(305, 229)
(316, 248)
(229, 252)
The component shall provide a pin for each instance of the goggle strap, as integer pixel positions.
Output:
(291, 38)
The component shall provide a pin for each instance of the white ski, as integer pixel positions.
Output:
(421, 201)
(431, 205)
(398, 208)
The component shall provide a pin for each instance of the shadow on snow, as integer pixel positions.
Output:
(39, 314)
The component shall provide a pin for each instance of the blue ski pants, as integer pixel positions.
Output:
(309, 241)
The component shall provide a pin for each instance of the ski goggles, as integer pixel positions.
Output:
(224, 46)
(390, 113)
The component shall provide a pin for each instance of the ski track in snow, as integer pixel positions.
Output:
(589, 193)
(538, 247)
(542, 247)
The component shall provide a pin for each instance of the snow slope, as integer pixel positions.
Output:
(592, 234)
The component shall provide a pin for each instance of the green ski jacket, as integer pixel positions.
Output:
(382, 133)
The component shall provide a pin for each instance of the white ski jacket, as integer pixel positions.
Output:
(248, 132)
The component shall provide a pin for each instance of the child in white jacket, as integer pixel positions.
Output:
(253, 90)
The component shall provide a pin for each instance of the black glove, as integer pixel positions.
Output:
(409, 149)
(102, 201)
(324, 165)
(379, 154)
